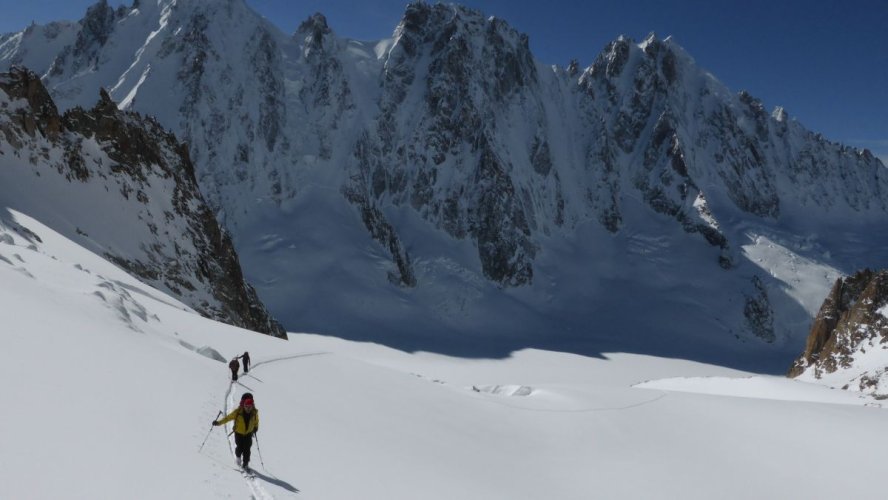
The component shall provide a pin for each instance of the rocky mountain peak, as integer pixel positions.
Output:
(99, 22)
(448, 74)
(460, 36)
(425, 18)
(611, 61)
(95, 30)
(659, 61)
(316, 26)
(313, 34)
(463, 48)
(204, 19)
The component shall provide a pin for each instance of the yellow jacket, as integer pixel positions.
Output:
(242, 426)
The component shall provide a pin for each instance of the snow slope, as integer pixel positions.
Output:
(107, 395)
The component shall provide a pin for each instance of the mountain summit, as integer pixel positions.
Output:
(443, 187)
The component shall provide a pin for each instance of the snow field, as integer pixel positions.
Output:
(105, 406)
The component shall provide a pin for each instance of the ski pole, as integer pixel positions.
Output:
(256, 435)
(208, 434)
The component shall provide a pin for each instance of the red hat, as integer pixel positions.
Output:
(247, 402)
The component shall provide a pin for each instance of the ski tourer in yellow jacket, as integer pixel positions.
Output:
(246, 424)
(246, 419)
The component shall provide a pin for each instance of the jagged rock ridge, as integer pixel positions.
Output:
(175, 242)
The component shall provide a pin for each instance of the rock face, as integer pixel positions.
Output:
(447, 122)
(95, 30)
(446, 175)
(165, 235)
(852, 321)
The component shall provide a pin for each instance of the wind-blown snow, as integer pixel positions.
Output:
(110, 388)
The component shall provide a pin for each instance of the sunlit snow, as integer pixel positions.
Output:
(111, 387)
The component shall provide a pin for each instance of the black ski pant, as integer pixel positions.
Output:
(242, 445)
(234, 375)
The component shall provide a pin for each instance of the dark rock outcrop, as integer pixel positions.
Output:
(41, 114)
(848, 318)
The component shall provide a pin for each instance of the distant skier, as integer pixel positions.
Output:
(235, 366)
(245, 359)
(246, 425)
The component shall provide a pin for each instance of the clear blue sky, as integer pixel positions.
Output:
(825, 61)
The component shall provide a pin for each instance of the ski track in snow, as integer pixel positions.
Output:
(257, 491)
(284, 358)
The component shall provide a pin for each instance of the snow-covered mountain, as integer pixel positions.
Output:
(122, 186)
(444, 184)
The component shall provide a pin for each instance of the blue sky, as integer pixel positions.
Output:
(825, 61)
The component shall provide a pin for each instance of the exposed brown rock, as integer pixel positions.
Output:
(848, 317)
